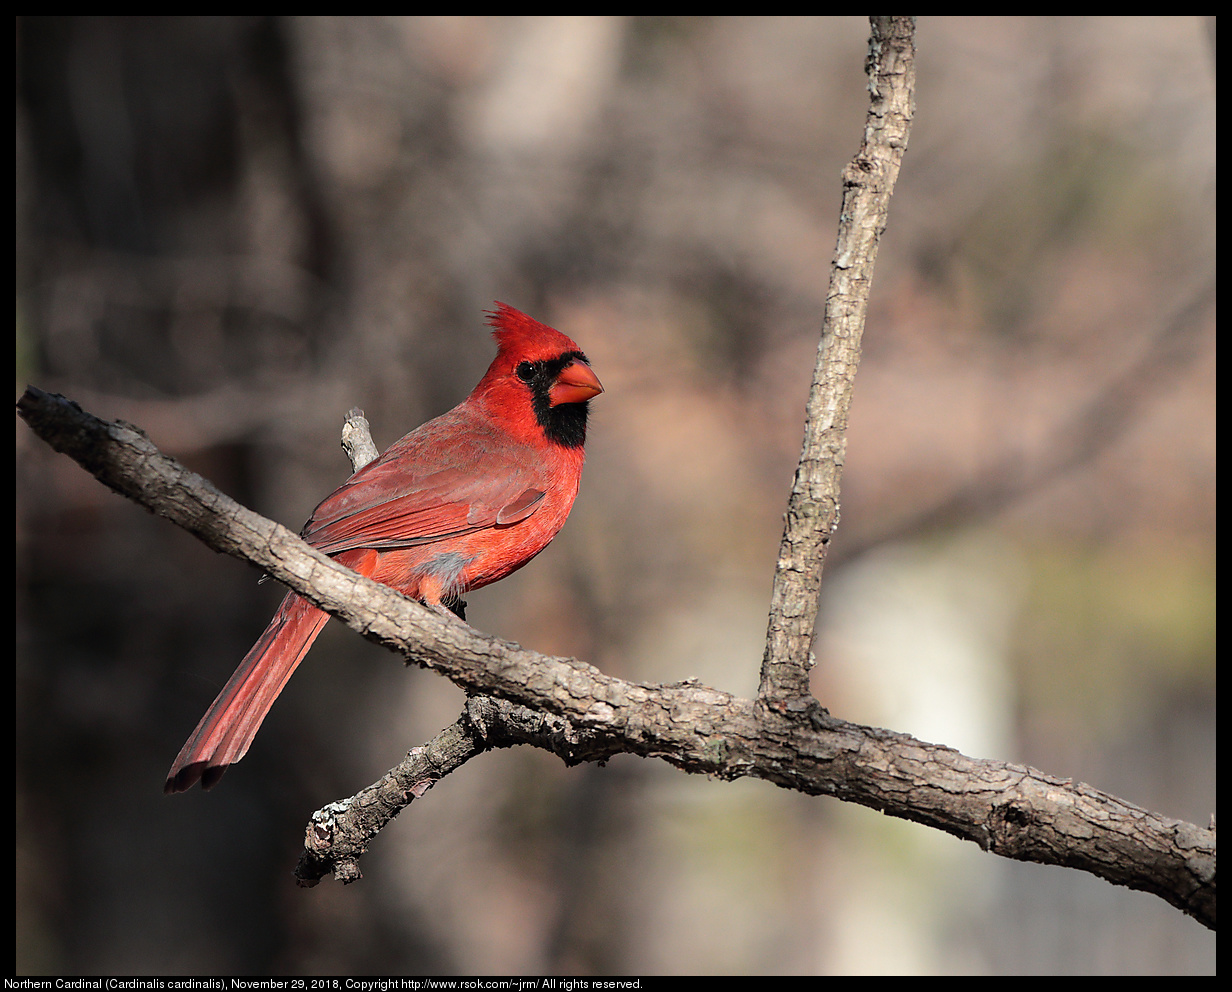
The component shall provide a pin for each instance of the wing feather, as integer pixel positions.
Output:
(454, 475)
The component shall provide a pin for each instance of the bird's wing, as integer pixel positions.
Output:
(449, 477)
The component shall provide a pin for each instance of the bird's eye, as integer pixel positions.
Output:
(525, 371)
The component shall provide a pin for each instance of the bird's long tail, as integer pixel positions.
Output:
(230, 724)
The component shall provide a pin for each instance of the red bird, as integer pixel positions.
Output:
(460, 502)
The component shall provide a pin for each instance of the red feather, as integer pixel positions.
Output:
(456, 504)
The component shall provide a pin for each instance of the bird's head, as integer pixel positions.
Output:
(540, 379)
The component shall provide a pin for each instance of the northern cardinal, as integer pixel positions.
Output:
(460, 502)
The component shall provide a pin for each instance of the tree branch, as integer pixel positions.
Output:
(338, 835)
(1011, 810)
(813, 507)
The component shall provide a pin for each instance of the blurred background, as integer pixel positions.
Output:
(231, 230)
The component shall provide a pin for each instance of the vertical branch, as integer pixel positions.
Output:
(813, 507)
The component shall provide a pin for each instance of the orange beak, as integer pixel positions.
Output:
(575, 384)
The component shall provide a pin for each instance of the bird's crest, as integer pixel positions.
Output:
(526, 338)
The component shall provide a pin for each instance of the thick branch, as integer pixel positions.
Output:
(1009, 809)
(813, 507)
